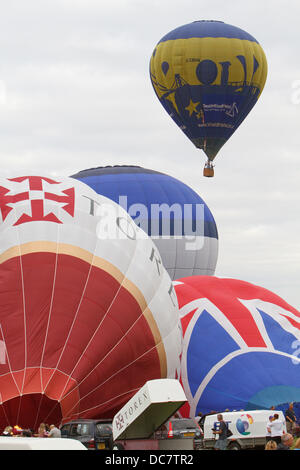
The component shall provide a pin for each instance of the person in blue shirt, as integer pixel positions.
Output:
(221, 443)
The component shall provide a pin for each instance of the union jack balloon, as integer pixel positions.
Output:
(88, 314)
(241, 346)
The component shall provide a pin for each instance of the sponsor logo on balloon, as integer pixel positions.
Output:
(243, 424)
(35, 190)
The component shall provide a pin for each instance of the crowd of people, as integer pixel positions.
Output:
(276, 437)
(280, 434)
(44, 430)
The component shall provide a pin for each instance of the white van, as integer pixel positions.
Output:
(249, 428)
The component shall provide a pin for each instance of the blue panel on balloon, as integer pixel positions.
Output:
(281, 339)
(202, 355)
(130, 186)
(209, 29)
(250, 381)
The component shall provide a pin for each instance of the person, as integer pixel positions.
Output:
(297, 444)
(198, 417)
(54, 431)
(268, 430)
(221, 443)
(271, 445)
(286, 442)
(290, 418)
(42, 432)
(7, 431)
(276, 428)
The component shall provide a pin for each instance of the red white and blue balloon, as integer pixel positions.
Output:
(241, 345)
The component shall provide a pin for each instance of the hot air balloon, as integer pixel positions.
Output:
(208, 76)
(170, 212)
(241, 346)
(87, 312)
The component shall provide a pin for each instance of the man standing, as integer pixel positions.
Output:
(221, 443)
(198, 417)
(290, 418)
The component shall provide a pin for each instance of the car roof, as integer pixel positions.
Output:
(82, 420)
(240, 412)
(182, 419)
(39, 443)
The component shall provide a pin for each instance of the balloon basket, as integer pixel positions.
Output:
(208, 172)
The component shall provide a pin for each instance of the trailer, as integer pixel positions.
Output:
(134, 426)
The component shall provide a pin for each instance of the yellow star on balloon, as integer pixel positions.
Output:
(171, 97)
(192, 107)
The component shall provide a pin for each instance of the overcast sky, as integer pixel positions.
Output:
(75, 93)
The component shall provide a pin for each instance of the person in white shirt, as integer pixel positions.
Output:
(198, 417)
(268, 430)
(276, 428)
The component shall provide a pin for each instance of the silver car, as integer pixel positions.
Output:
(182, 428)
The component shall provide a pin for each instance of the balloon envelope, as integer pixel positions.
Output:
(87, 313)
(170, 212)
(240, 347)
(208, 76)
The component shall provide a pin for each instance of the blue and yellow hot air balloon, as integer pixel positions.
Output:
(208, 76)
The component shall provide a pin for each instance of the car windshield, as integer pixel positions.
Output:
(80, 429)
(184, 424)
(103, 429)
(65, 430)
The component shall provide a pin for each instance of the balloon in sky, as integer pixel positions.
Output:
(87, 312)
(241, 346)
(208, 76)
(170, 212)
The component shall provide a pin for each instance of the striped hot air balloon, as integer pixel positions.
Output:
(87, 315)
